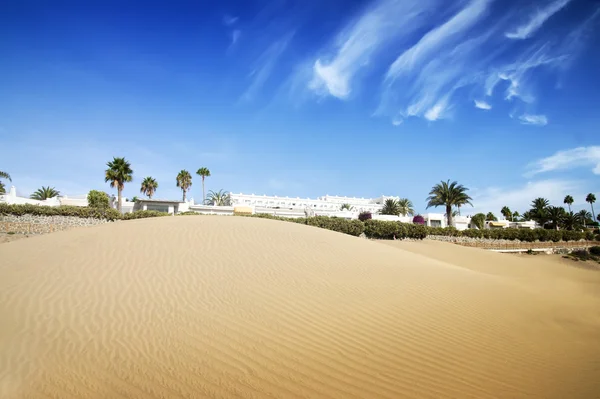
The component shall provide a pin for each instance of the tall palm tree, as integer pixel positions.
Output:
(390, 207)
(556, 215)
(507, 213)
(346, 207)
(204, 172)
(449, 195)
(515, 216)
(3, 175)
(405, 207)
(584, 217)
(219, 198)
(118, 173)
(539, 210)
(571, 221)
(44, 193)
(568, 201)
(184, 181)
(490, 217)
(149, 186)
(591, 198)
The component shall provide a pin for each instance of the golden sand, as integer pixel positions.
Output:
(231, 307)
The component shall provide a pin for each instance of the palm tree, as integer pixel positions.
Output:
(118, 173)
(204, 172)
(591, 198)
(568, 201)
(490, 217)
(405, 207)
(478, 220)
(44, 193)
(539, 210)
(448, 194)
(3, 175)
(515, 216)
(219, 198)
(584, 216)
(184, 181)
(556, 215)
(506, 212)
(571, 221)
(346, 207)
(149, 186)
(390, 207)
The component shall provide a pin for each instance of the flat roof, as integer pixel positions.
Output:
(158, 200)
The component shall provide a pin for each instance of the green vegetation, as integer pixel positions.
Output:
(507, 213)
(203, 172)
(449, 195)
(77, 211)
(188, 213)
(568, 201)
(44, 193)
(98, 199)
(591, 198)
(218, 198)
(405, 206)
(149, 186)
(184, 181)
(478, 220)
(3, 175)
(490, 217)
(118, 173)
(143, 214)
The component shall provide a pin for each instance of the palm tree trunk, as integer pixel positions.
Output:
(183, 195)
(569, 207)
(449, 215)
(119, 198)
(593, 214)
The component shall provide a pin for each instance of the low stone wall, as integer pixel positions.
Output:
(33, 224)
(489, 243)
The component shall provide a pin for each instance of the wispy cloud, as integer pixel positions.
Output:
(230, 20)
(537, 20)
(265, 65)
(357, 43)
(438, 37)
(482, 105)
(568, 159)
(235, 36)
(537, 120)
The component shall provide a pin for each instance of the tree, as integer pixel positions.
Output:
(149, 186)
(184, 181)
(556, 215)
(507, 213)
(568, 201)
(346, 207)
(44, 193)
(571, 221)
(390, 207)
(490, 217)
(204, 172)
(219, 198)
(591, 198)
(515, 216)
(449, 195)
(539, 210)
(3, 175)
(118, 173)
(98, 199)
(585, 217)
(405, 207)
(478, 220)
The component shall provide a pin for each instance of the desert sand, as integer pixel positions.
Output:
(231, 307)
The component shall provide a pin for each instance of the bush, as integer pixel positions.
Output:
(419, 220)
(595, 250)
(351, 227)
(76, 211)
(143, 214)
(98, 199)
(188, 213)
(381, 229)
(364, 216)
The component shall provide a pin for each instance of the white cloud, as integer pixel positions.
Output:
(492, 199)
(235, 36)
(356, 45)
(537, 20)
(482, 105)
(567, 159)
(537, 120)
(229, 20)
(265, 65)
(437, 38)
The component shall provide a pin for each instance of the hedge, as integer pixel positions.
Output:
(76, 211)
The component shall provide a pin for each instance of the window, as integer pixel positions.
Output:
(435, 223)
(158, 207)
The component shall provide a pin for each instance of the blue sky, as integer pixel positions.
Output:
(306, 98)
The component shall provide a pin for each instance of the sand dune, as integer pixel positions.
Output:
(228, 307)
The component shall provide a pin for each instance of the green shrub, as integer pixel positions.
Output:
(415, 231)
(76, 211)
(595, 250)
(188, 213)
(351, 227)
(589, 236)
(473, 233)
(383, 230)
(98, 199)
(143, 214)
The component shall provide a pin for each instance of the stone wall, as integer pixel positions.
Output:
(34, 224)
(489, 243)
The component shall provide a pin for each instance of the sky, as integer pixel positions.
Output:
(305, 98)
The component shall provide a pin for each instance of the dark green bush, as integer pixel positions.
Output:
(187, 213)
(97, 199)
(383, 230)
(415, 231)
(589, 236)
(77, 211)
(351, 227)
(595, 250)
(143, 214)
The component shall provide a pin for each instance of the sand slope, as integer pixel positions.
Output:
(228, 307)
